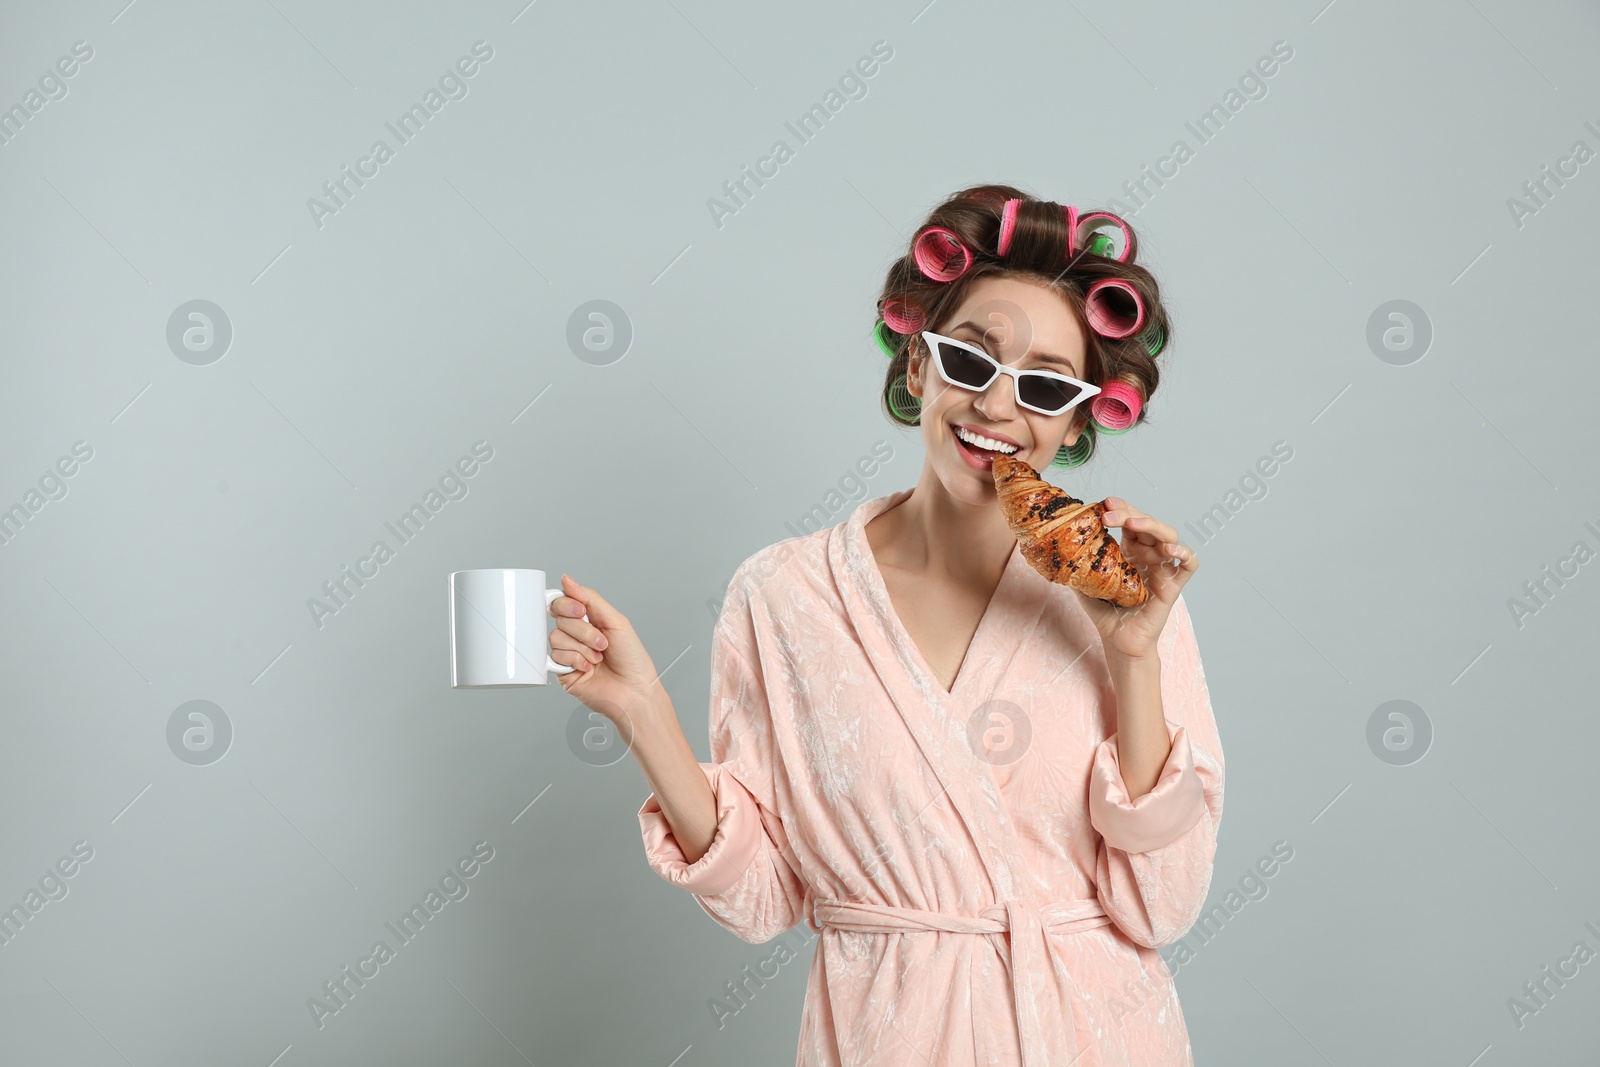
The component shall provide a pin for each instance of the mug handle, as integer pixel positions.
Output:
(551, 665)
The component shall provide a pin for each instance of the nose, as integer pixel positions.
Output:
(999, 401)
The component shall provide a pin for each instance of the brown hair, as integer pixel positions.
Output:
(1038, 250)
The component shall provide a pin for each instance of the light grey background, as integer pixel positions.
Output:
(431, 312)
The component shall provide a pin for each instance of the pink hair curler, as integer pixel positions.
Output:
(1008, 224)
(936, 249)
(1116, 406)
(1114, 308)
(1083, 227)
(1070, 213)
(902, 316)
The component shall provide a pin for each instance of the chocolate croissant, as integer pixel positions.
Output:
(1064, 538)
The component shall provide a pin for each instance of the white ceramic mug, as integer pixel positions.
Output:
(499, 636)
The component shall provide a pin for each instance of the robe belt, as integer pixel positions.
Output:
(1042, 1045)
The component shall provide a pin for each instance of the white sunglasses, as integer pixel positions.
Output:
(970, 367)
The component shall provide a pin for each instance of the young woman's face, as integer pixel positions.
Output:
(1022, 324)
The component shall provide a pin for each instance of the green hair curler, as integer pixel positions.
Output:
(1079, 453)
(1153, 337)
(885, 338)
(1102, 245)
(901, 402)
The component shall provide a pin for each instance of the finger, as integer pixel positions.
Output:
(586, 632)
(1171, 580)
(1119, 513)
(1163, 558)
(1133, 534)
(565, 642)
(582, 667)
(1125, 514)
(1186, 557)
(1154, 528)
(1144, 556)
(1178, 562)
(1150, 528)
(1177, 550)
(1151, 568)
(565, 607)
(601, 613)
(568, 658)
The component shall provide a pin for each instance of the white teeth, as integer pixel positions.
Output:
(984, 442)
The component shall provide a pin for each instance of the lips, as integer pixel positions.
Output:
(993, 435)
(977, 458)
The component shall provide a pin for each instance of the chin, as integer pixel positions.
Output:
(967, 485)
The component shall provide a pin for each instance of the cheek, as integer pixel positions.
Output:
(932, 398)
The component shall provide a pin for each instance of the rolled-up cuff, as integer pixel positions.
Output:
(733, 847)
(1159, 817)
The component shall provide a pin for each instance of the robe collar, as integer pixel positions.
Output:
(941, 722)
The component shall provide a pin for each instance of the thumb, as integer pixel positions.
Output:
(600, 611)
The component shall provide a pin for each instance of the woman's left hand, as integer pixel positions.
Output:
(1153, 547)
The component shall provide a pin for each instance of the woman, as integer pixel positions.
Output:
(993, 796)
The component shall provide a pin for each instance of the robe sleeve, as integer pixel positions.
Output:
(1154, 859)
(748, 880)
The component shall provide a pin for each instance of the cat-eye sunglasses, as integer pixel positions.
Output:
(970, 367)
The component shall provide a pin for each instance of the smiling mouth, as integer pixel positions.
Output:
(976, 456)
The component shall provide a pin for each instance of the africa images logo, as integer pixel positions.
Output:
(343, 987)
(452, 86)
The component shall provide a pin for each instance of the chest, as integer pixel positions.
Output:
(940, 619)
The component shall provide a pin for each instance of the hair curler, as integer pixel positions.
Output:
(1101, 245)
(1086, 227)
(903, 316)
(1114, 308)
(882, 334)
(936, 250)
(1116, 407)
(1079, 453)
(1008, 225)
(1153, 337)
(986, 195)
(901, 402)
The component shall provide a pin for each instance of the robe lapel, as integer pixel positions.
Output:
(937, 720)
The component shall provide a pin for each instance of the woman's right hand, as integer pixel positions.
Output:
(615, 675)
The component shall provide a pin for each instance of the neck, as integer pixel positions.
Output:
(934, 534)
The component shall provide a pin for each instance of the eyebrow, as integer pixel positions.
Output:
(1046, 356)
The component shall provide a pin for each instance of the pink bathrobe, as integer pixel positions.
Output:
(985, 892)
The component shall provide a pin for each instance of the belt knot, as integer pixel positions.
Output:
(1045, 1029)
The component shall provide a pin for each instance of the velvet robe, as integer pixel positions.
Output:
(985, 891)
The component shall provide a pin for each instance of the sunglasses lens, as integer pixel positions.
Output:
(966, 368)
(1046, 393)
(975, 372)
